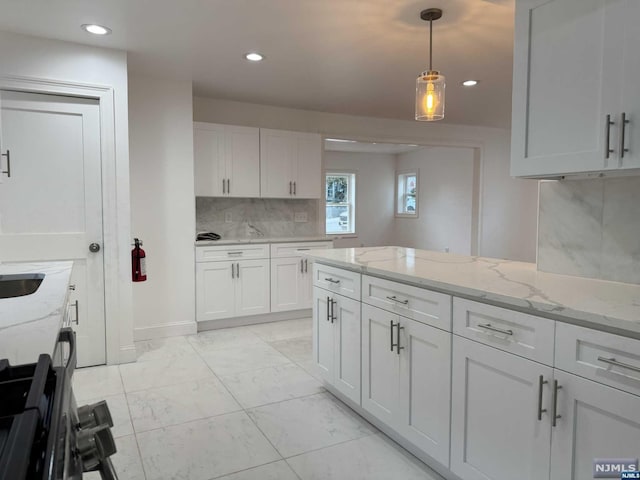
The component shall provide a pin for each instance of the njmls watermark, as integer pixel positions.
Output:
(615, 468)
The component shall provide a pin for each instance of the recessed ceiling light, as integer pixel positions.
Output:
(470, 83)
(339, 140)
(96, 29)
(253, 56)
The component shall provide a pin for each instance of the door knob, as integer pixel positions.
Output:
(94, 247)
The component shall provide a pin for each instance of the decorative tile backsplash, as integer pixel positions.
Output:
(591, 228)
(256, 217)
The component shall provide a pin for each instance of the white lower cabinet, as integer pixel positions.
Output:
(336, 341)
(596, 421)
(231, 289)
(496, 431)
(406, 378)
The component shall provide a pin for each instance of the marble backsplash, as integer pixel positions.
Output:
(256, 217)
(591, 228)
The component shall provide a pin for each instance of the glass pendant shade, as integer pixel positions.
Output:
(430, 96)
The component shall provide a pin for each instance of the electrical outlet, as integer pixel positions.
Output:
(228, 218)
(300, 217)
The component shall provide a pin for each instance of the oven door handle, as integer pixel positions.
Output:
(67, 335)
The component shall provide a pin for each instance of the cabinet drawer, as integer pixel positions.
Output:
(338, 280)
(296, 249)
(230, 252)
(425, 306)
(526, 335)
(603, 357)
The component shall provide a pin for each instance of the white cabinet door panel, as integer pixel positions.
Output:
(630, 101)
(215, 295)
(209, 159)
(252, 287)
(242, 146)
(495, 431)
(276, 163)
(347, 360)
(323, 335)
(287, 284)
(425, 387)
(308, 174)
(596, 422)
(380, 366)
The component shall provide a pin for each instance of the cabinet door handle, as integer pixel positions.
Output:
(488, 326)
(294, 188)
(624, 121)
(330, 279)
(290, 187)
(76, 306)
(8, 170)
(541, 382)
(554, 414)
(397, 344)
(301, 266)
(233, 271)
(306, 266)
(228, 186)
(391, 344)
(607, 137)
(333, 310)
(395, 299)
(237, 270)
(224, 189)
(616, 363)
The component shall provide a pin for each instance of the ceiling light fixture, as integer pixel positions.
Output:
(430, 84)
(339, 140)
(470, 83)
(96, 29)
(253, 56)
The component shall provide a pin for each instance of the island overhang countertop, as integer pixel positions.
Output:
(608, 306)
(29, 324)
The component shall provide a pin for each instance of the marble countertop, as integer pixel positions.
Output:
(609, 306)
(29, 325)
(248, 240)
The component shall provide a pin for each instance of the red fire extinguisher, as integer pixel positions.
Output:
(138, 263)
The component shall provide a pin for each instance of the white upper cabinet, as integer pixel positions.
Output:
(290, 164)
(227, 160)
(575, 68)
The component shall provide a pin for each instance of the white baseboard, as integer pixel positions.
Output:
(165, 330)
(253, 319)
(127, 354)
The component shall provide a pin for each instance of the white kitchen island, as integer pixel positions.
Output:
(29, 324)
(483, 368)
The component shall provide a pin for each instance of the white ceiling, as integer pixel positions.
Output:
(366, 147)
(356, 57)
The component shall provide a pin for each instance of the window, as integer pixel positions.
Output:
(407, 194)
(341, 202)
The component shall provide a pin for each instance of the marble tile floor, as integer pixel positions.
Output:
(237, 404)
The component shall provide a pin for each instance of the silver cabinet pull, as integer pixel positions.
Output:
(302, 249)
(301, 265)
(294, 188)
(290, 187)
(228, 186)
(616, 363)
(333, 311)
(330, 279)
(328, 303)
(72, 287)
(541, 382)
(77, 308)
(488, 326)
(607, 137)
(233, 272)
(224, 187)
(306, 266)
(234, 253)
(391, 344)
(624, 121)
(554, 414)
(237, 270)
(395, 299)
(397, 344)
(8, 170)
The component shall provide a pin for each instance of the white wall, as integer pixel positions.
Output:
(508, 206)
(374, 195)
(445, 196)
(62, 62)
(163, 204)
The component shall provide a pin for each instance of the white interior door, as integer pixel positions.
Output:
(51, 205)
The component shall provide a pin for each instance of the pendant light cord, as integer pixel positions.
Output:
(430, 44)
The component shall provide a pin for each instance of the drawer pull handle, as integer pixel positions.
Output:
(554, 415)
(488, 326)
(302, 249)
(332, 280)
(397, 300)
(616, 363)
(234, 253)
(541, 382)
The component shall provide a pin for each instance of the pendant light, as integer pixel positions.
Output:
(430, 84)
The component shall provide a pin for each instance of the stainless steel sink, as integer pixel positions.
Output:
(19, 285)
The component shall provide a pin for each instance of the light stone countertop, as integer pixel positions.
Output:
(251, 240)
(29, 324)
(609, 306)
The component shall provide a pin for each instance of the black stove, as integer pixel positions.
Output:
(43, 436)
